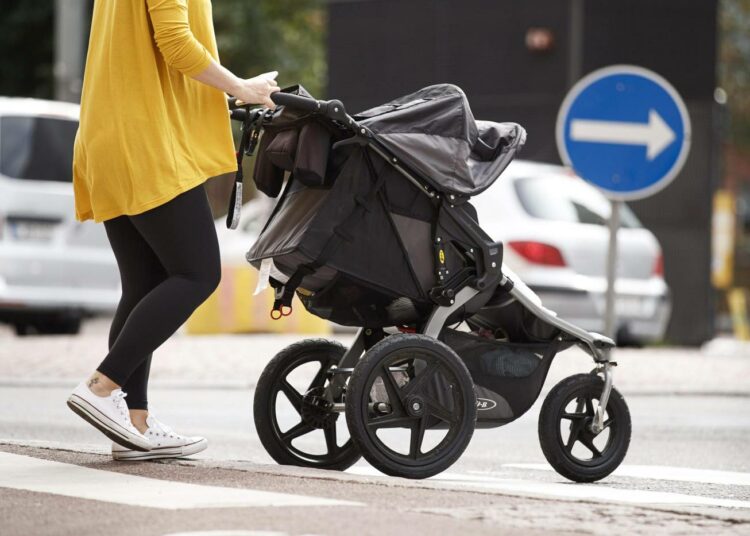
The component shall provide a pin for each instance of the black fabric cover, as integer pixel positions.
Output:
(369, 280)
(434, 133)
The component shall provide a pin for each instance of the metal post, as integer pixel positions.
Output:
(610, 319)
(70, 36)
(575, 42)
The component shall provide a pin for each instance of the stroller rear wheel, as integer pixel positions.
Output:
(290, 409)
(411, 406)
(565, 434)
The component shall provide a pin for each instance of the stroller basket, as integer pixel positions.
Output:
(507, 376)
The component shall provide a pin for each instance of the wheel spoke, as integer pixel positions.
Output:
(589, 407)
(417, 436)
(296, 431)
(392, 388)
(436, 410)
(606, 423)
(572, 438)
(589, 444)
(320, 376)
(330, 433)
(575, 432)
(390, 421)
(421, 378)
(291, 393)
(573, 416)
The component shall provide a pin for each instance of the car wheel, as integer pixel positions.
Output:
(21, 329)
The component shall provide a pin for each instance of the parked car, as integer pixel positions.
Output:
(554, 227)
(53, 270)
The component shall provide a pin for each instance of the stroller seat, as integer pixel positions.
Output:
(363, 246)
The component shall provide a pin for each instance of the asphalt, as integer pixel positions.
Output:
(687, 470)
(386, 506)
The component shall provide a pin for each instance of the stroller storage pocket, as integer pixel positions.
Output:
(507, 376)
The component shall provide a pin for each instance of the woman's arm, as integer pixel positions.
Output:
(182, 51)
(256, 90)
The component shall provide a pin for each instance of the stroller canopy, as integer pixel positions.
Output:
(433, 132)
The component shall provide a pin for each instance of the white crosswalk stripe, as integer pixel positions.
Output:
(600, 492)
(660, 472)
(46, 476)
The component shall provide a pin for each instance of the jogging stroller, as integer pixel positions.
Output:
(374, 229)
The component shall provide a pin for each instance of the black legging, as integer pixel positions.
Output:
(169, 264)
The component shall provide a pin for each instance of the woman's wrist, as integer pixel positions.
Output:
(235, 86)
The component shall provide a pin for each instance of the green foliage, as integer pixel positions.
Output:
(26, 40)
(256, 36)
(734, 67)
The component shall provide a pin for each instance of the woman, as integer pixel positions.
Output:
(154, 126)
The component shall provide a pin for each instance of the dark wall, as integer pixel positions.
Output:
(384, 48)
(379, 49)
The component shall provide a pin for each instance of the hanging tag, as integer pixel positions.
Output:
(235, 206)
(265, 273)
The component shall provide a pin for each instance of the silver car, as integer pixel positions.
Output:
(53, 270)
(554, 227)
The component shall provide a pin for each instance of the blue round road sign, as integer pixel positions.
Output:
(625, 130)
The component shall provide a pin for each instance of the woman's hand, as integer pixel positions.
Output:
(257, 90)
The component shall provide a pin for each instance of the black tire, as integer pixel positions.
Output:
(598, 454)
(277, 442)
(63, 325)
(433, 371)
(21, 329)
(50, 324)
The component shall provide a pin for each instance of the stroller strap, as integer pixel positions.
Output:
(251, 128)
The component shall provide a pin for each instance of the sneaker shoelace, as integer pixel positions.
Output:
(164, 429)
(122, 407)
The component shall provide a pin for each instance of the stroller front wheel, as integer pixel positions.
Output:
(565, 433)
(410, 406)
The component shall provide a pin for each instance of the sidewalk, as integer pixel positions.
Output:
(721, 367)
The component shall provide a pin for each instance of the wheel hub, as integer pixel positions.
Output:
(415, 406)
(316, 409)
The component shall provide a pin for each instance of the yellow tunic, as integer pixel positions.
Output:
(148, 131)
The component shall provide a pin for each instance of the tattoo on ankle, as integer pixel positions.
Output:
(92, 382)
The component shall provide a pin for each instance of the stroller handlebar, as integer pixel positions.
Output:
(304, 104)
(333, 109)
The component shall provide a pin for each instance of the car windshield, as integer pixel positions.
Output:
(37, 148)
(562, 198)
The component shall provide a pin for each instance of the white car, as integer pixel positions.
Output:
(554, 229)
(53, 270)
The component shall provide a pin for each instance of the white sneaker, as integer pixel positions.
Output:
(109, 414)
(165, 443)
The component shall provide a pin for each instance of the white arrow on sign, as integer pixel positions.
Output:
(656, 135)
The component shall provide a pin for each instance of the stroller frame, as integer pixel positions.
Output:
(488, 260)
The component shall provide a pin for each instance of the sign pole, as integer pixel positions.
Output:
(610, 319)
(625, 130)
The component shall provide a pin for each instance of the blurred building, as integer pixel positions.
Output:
(516, 61)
